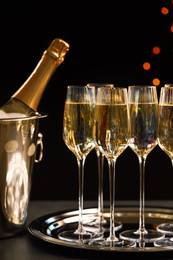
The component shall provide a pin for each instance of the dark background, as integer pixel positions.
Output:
(109, 42)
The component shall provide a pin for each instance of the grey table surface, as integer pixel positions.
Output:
(25, 246)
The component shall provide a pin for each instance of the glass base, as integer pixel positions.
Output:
(166, 229)
(110, 243)
(76, 237)
(167, 242)
(148, 237)
(105, 226)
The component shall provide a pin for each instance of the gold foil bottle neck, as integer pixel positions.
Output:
(31, 91)
(58, 48)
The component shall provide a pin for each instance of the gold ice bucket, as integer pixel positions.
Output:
(19, 140)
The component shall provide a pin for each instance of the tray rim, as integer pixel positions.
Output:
(34, 230)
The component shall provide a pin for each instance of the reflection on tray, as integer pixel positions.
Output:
(48, 227)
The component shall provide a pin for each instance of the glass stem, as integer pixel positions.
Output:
(172, 161)
(81, 184)
(142, 230)
(100, 160)
(111, 164)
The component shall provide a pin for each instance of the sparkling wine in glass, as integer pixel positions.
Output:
(100, 224)
(143, 107)
(165, 140)
(111, 136)
(78, 127)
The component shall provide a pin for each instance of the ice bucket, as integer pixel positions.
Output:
(19, 140)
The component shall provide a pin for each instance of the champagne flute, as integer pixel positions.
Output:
(112, 134)
(165, 140)
(100, 223)
(78, 126)
(143, 107)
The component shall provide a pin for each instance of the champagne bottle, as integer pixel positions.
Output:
(26, 100)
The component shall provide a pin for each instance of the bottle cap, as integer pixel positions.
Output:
(58, 48)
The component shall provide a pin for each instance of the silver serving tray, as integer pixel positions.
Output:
(47, 227)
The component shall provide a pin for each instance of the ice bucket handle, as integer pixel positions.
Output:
(40, 142)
